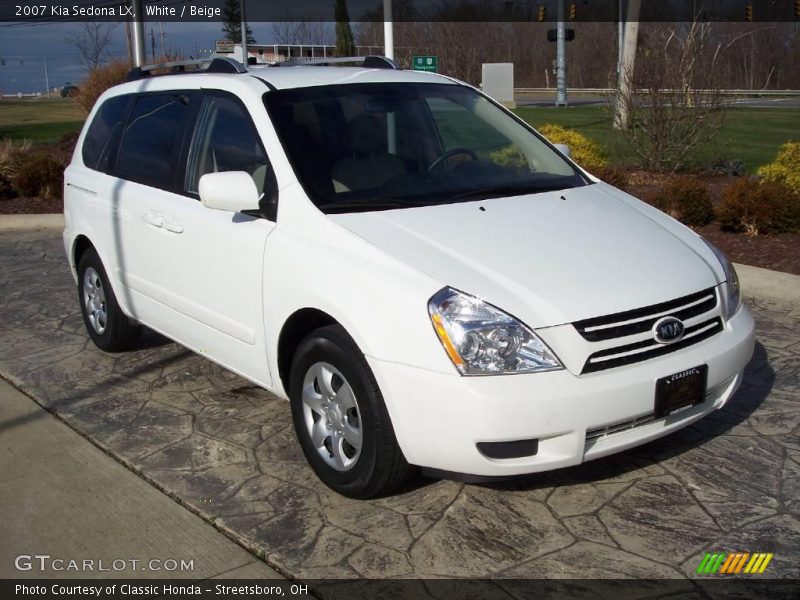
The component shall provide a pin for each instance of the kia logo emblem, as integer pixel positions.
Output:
(668, 330)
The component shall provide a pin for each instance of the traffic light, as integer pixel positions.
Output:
(748, 12)
(573, 9)
(541, 15)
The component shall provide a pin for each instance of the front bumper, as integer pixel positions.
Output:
(439, 418)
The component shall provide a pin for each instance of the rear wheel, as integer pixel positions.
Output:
(109, 328)
(340, 418)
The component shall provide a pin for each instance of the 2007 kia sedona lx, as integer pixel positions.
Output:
(426, 279)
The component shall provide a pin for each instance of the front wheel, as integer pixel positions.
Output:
(107, 325)
(340, 418)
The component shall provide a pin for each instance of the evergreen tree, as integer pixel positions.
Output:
(232, 23)
(345, 44)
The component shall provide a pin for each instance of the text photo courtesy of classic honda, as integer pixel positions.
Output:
(427, 280)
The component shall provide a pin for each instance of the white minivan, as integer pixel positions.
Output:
(426, 279)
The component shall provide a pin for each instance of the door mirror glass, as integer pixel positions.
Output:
(231, 191)
(564, 149)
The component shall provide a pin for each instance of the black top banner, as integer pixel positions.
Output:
(403, 10)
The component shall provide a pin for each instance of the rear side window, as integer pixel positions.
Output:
(104, 133)
(151, 138)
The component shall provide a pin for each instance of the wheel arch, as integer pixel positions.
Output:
(299, 324)
(79, 246)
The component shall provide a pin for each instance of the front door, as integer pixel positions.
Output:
(194, 273)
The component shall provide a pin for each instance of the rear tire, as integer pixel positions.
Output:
(109, 328)
(340, 417)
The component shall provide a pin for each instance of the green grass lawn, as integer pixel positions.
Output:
(751, 135)
(40, 121)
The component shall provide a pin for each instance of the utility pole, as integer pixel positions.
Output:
(620, 36)
(128, 39)
(46, 76)
(388, 30)
(628, 63)
(561, 54)
(161, 27)
(138, 33)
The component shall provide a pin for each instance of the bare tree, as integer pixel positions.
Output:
(92, 41)
(673, 99)
(312, 33)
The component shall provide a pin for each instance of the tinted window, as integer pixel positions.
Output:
(150, 139)
(104, 132)
(225, 139)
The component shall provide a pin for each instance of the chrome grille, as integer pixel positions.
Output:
(640, 321)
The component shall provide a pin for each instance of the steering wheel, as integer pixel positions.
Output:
(450, 153)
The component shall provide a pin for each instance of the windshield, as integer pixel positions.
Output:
(359, 147)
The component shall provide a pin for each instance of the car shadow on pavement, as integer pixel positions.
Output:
(63, 406)
(759, 378)
(151, 339)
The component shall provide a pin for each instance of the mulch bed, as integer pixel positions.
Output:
(780, 252)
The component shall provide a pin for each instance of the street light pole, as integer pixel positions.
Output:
(244, 34)
(561, 54)
(388, 30)
(138, 33)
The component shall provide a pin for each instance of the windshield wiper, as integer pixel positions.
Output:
(369, 204)
(504, 190)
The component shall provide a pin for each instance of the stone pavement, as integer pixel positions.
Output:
(226, 450)
(69, 501)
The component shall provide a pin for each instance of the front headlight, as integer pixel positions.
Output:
(734, 300)
(483, 340)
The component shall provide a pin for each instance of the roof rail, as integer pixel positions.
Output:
(214, 65)
(369, 62)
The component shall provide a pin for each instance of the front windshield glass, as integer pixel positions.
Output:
(360, 147)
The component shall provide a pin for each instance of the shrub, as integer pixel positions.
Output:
(687, 199)
(7, 190)
(613, 176)
(11, 154)
(583, 150)
(510, 156)
(759, 208)
(40, 175)
(785, 169)
(99, 80)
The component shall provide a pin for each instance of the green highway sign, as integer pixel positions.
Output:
(424, 63)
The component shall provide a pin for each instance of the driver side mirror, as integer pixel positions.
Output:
(231, 191)
(564, 149)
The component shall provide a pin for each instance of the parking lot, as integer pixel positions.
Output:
(226, 450)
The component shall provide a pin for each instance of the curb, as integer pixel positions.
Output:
(766, 284)
(756, 282)
(45, 221)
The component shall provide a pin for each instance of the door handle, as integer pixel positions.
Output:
(153, 219)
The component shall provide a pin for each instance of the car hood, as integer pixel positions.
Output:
(548, 258)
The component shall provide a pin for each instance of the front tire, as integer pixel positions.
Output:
(340, 418)
(109, 328)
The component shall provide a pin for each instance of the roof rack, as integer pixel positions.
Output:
(369, 62)
(214, 65)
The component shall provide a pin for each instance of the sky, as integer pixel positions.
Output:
(31, 44)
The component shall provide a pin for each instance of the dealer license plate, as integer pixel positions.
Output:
(680, 391)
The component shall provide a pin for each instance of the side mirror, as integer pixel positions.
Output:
(564, 149)
(231, 191)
